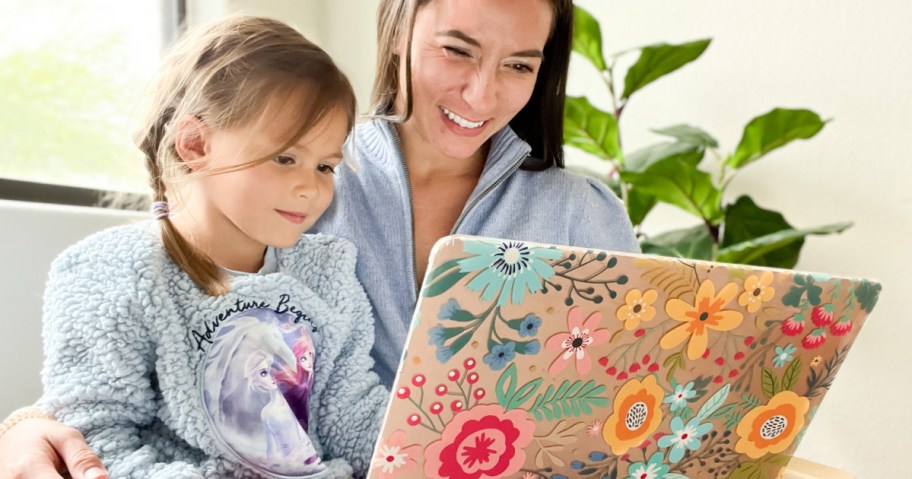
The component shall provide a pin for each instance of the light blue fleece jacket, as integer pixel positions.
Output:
(167, 382)
(372, 208)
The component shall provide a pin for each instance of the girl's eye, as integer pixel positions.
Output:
(284, 160)
(324, 168)
(263, 373)
(457, 51)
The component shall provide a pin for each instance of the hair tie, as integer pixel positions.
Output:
(160, 210)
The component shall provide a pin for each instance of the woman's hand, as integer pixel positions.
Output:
(43, 449)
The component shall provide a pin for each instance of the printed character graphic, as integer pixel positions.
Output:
(295, 383)
(286, 441)
(242, 396)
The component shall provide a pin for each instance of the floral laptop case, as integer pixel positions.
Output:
(535, 361)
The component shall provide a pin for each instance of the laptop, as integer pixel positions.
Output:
(535, 361)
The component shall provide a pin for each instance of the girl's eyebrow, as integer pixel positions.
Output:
(471, 41)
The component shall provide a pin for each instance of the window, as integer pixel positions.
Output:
(71, 78)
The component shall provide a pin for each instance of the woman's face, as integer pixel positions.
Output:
(474, 66)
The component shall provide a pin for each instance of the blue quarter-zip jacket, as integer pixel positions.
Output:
(372, 209)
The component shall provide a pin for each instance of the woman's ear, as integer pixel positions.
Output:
(191, 142)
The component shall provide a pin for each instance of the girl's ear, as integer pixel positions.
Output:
(191, 142)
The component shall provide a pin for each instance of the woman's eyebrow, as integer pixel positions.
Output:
(471, 41)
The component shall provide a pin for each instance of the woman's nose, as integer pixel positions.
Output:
(480, 92)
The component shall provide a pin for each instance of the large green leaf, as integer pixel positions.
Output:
(640, 160)
(693, 243)
(752, 252)
(659, 60)
(690, 135)
(757, 236)
(639, 204)
(676, 181)
(777, 128)
(587, 38)
(590, 129)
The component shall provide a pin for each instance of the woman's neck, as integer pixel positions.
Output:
(423, 161)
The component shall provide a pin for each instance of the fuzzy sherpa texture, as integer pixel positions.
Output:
(126, 333)
(373, 210)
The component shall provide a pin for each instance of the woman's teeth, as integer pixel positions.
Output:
(460, 120)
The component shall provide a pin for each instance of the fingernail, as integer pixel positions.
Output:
(95, 473)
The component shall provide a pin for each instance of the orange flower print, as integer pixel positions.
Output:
(637, 308)
(637, 414)
(757, 291)
(706, 313)
(772, 428)
(574, 342)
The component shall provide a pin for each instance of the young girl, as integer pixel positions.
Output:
(165, 339)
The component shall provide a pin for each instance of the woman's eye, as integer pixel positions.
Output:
(457, 51)
(284, 160)
(522, 68)
(324, 168)
(263, 373)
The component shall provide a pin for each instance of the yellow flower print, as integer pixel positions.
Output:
(638, 308)
(637, 414)
(706, 313)
(771, 428)
(757, 291)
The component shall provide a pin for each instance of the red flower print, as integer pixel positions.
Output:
(480, 443)
(574, 342)
(841, 327)
(814, 339)
(794, 325)
(822, 315)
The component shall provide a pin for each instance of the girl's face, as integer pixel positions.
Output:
(474, 66)
(276, 201)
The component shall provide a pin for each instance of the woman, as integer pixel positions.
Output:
(466, 138)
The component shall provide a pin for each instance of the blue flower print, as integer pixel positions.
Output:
(533, 347)
(655, 468)
(448, 309)
(507, 269)
(500, 355)
(783, 355)
(436, 336)
(529, 325)
(683, 436)
(678, 399)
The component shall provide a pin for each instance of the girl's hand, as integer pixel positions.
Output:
(44, 449)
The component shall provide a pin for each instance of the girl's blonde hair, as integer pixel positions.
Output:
(224, 75)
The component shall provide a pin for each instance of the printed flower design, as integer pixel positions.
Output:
(529, 325)
(594, 428)
(637, 413)
(394, 457)
(654, 468)
(683, 436)
(706, 313)
(772, 428)
(757, 291)
(574, 342)
(500, 355)
(784, 355)
(678, 399)
(483, 442)
(816, 360)
(507, 269)
(793, 325)
(814, 339)
(637, 308)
